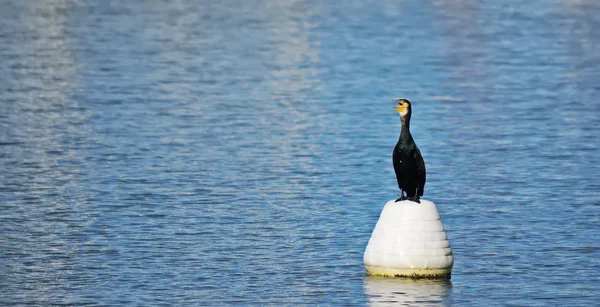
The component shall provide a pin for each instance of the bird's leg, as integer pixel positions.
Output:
(416, 199)
(402, 197)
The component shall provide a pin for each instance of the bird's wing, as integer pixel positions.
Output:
(397, 166)
(422, 177)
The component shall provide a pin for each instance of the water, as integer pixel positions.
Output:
(195, 153)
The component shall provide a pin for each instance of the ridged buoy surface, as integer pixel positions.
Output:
(409, 240)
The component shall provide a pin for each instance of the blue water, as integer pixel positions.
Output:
(206, 153)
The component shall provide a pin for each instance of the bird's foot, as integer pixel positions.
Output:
(401, 198)
(416, 199)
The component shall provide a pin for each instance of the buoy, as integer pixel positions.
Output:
(409, 240)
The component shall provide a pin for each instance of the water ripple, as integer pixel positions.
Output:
(185, 153)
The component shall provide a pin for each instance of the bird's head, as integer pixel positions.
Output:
(403, 107)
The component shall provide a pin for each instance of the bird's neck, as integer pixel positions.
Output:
(405, 131)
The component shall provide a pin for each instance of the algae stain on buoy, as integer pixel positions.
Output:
(409, 240)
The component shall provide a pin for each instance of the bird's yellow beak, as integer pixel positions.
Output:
(400, 108)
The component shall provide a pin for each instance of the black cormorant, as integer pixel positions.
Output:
(408, 162)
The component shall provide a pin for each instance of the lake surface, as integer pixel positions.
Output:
(206, 153)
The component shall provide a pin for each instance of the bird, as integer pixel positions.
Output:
(408, 162)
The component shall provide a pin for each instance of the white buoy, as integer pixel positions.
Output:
(409, 240)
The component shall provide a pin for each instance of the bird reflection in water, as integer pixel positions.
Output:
(408, 292)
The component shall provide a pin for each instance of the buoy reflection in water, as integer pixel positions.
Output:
(402, 291)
